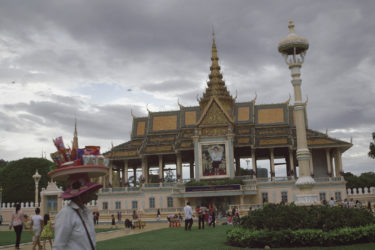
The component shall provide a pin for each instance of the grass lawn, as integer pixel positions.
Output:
(177, 238)
(9, 237)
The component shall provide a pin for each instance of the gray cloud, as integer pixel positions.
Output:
(163, 47)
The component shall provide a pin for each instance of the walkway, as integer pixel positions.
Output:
(104, 235)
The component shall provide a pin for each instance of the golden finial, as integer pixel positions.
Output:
(178, 102)
(255, 98)
(287, 102)
(307, 100)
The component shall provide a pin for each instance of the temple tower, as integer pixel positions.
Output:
(293, 48)
(216, 86)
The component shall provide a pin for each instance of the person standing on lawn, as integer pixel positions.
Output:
(17, 223)
(188, 211)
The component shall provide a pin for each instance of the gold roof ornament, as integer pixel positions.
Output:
(132, 114)
(255, 97)
(293, 44)
(216, 85)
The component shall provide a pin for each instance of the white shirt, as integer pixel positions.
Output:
(37, 219)
(70, 234)
(188, 211)
(331, 203)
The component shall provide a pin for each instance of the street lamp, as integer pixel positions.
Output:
(36, 178)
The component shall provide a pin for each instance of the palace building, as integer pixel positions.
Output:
(209, 141)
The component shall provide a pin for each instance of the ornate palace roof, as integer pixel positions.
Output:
(256, 126)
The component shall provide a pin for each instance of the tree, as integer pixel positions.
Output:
(2, 163)
(371, 153)
(17, 181)
(364, 180)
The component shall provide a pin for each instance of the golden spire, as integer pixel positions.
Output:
(75, 138)
(216, 86)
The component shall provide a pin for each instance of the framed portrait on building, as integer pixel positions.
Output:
(213, 160)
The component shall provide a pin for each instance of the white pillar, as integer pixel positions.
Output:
(329, 162)
(253, 160)
(160, 167)
(179, 165)
(272, 163)
(291, 162)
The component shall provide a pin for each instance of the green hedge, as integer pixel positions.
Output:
(282, 217)
(226, 181)
(304, 237)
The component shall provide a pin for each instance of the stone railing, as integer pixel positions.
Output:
(7, 209)
(361, 191)
(93, 203)
(13, 205)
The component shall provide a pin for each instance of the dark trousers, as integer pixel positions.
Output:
(18, 230)
(188, 224)
(201, 221)
(213, 221)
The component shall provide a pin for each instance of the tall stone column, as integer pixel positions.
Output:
(160, 167)
(179, 166)
(272, 163)
(253, 160)
(293, 48)
(196, 155)
(338, 163)
(110, 173)
(291, 162)
(145, 169)
(135, 176)
(329, 162)
(230, 137)
(125, 177)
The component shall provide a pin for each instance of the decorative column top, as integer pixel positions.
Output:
(293, 44)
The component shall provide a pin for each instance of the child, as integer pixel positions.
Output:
(36, 228)
(47, 233)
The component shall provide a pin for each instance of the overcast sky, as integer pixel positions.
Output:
(97, 60)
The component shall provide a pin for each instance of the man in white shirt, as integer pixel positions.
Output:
(188, 211)
(332, 202)
(74, 224)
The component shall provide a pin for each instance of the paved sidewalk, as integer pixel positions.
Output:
(105, 235)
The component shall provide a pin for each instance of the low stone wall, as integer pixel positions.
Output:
(7, 209)
(364, 195)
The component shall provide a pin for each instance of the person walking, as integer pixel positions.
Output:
(17, 223)
(188, 212)
(47, 232)
(113, 221)
(36, 227)
(202, 216)
(158, 214)
(213, 218)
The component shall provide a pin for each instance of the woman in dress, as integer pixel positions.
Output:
(17, 224)
(36, 228)
(47, 233)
